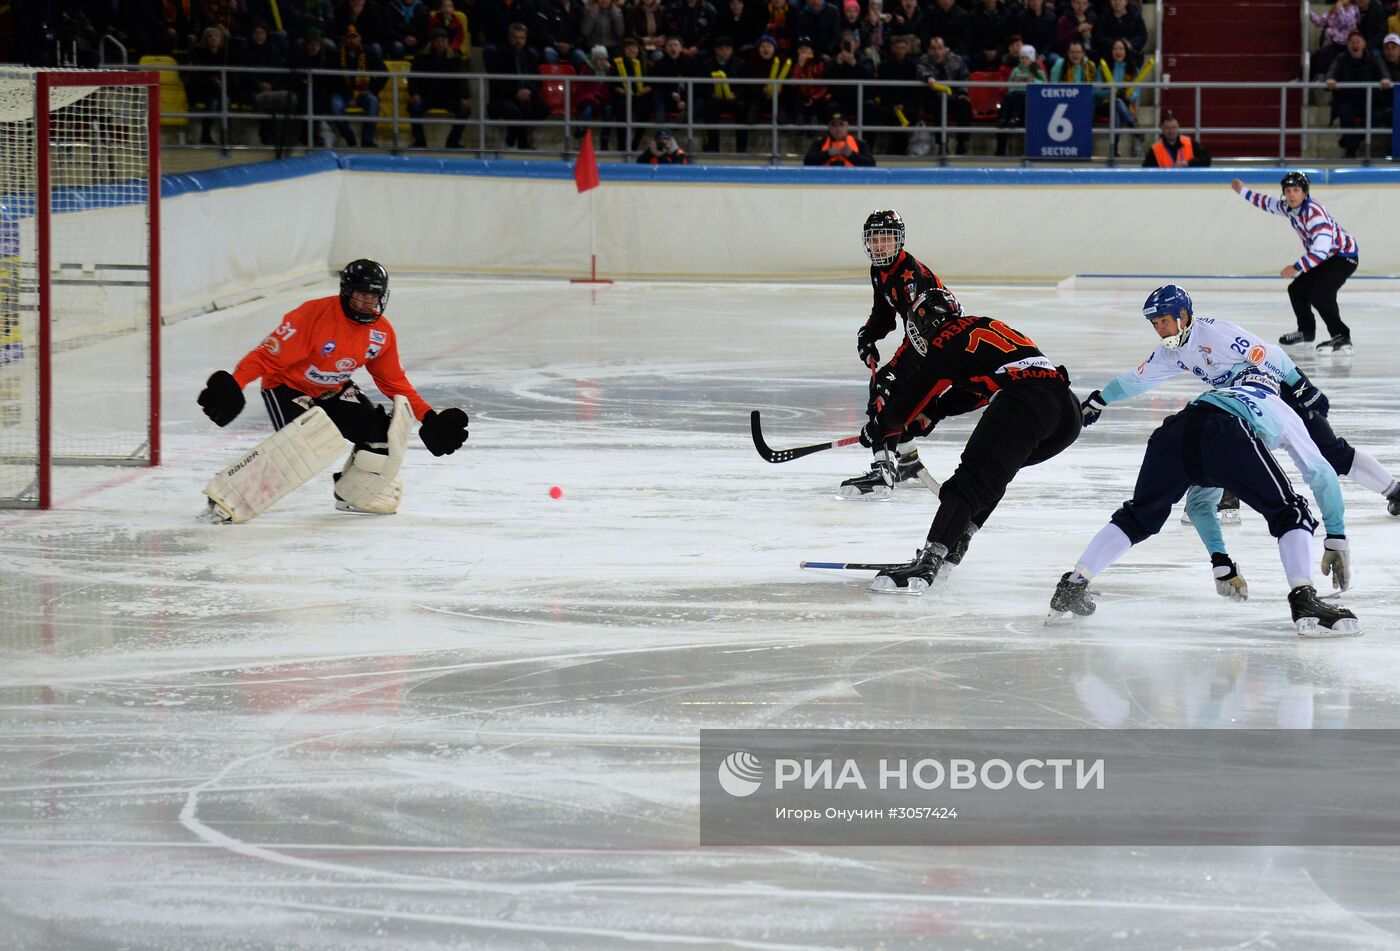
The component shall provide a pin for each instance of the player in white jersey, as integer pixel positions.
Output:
(1222, 438)
(1329, 258)
(1215, 351)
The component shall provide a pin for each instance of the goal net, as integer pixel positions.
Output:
(79, 275)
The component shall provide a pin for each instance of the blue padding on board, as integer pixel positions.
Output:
(317, 162)
(255, 173)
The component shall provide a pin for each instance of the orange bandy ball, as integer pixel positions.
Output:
(555, 492)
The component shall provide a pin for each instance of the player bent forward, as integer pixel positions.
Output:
(961, 363)
(1222, 439)
(305, 366)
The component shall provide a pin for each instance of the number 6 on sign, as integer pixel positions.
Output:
(1059, 120)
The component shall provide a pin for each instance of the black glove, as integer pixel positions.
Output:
(865, 346)
(917, 428)
(1307, 398)
(443, 433)
(1092, 408)
(222, 398)
(871, 436)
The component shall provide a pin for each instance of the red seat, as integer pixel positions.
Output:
(553, 92)
(986, 100)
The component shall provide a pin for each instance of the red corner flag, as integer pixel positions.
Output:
(586, 167)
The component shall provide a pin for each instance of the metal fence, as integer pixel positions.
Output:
(786, 136)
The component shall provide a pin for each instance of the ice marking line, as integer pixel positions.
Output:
(507, 925)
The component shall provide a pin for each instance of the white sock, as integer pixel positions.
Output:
(1368, 472)
(905, 447)
(1107, 546)
(1295, 551)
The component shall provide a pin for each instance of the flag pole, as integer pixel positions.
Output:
(586, 176)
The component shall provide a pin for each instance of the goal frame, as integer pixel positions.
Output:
(45, 81)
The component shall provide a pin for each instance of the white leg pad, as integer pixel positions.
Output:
(290, 457)
(369, 482)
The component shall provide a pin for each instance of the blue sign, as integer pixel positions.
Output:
(1059, 120)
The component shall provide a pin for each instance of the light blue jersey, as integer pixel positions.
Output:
(1277, 426)
(1214, 353)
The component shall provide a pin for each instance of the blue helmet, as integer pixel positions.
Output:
(1168, 301)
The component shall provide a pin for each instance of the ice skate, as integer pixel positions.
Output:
(1294, 338)
(1071, 598)
(914, 578)
(877, 485)
(1340, 344)
(1392, 502)
(955, 555)
(1229, 509)
(1316, 618)
(908, 467)
(213, 515)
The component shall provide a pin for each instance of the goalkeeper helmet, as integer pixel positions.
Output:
(364, 276)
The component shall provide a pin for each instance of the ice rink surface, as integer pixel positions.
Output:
(475, 724)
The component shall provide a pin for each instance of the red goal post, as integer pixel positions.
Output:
(79, 275)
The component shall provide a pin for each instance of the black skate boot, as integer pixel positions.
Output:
(1229, 509)
(1294, 338)
(1338, 344)
(1071, 597)
(955, 556)
(907, 465)
(914, 578)
(1392, 501)
(1315, 618)
(876, 485)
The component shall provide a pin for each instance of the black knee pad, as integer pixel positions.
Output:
(1294, 515)
(1340, 455)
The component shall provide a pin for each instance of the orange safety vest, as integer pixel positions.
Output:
(850, 143)
(1183, 154)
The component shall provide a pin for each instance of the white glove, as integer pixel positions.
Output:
(1336, 561)
(1229, 583)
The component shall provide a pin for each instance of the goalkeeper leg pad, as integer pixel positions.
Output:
(290, 457)
(369, 483)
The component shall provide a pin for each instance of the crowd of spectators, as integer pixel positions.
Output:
(643, 58)
(666, 62)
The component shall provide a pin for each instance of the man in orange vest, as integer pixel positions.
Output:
(1174, 150)
(839, 147)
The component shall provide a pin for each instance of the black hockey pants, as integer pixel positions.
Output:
(362, 422)
(1022, 426)
(1317, 289)
(1205, 445)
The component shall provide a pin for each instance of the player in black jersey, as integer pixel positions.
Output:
(957, 363)
(898, 280)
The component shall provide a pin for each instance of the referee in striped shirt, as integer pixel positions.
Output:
(1329, 258)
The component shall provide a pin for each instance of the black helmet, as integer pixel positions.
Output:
(928, 314)
(881, 223)
(367, 276)
(1295, 179)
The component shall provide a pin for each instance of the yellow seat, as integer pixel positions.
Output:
(172, 91)
(400, 68)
